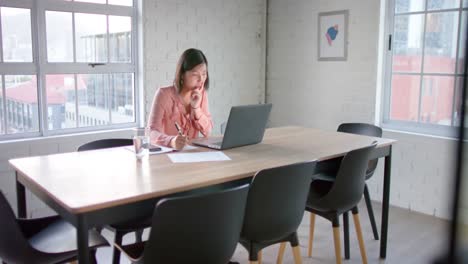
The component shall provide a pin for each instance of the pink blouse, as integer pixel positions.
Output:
(168, 108)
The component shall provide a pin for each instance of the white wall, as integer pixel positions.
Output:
(230, 32)
(307, 92)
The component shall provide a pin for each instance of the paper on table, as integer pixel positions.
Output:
(189, 147)
(198, 157)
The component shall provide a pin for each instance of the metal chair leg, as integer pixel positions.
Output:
(370, 211)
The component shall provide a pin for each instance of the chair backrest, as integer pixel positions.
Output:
(276, 201)
(349, 184)
(197, 229)
(106, 143)
(13, 245)
(366, 130)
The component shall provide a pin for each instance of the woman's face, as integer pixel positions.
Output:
(195, 78)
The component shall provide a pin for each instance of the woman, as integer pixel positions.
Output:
(183, 105)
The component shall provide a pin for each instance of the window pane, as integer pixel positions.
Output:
(59, 36)
(16, 34)
(123, 109)
(61, 105)
(93, 103)
(120, 38)
(407, 43)
(91, 38)
(465, 3)
(437, 100)
(440, 45)
(21, 105)
(404, 98)
(92, 1)
(121, 2)
(442, 4)
(461, 44)
(458, 101)
(402, 6)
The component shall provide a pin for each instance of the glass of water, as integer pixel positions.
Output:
(141, 142)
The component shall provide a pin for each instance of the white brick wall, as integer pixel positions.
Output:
(320, 94)
(229, 32)
(307, 92)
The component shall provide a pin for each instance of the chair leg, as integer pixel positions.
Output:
(311, 234)
(115, 251)
(297, 254)
(370, 211)
(346, 234)
(357, 225)
(282, 247)
(336, 239)
(139, 235)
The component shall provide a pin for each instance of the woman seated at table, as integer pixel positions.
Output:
(183, 104)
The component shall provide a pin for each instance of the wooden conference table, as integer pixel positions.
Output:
(94, 188)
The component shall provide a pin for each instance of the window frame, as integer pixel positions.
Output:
(40, 67)
(451, 130)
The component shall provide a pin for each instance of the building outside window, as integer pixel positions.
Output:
(424, 65)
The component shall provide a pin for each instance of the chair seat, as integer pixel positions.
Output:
(134, 251)
(132, 225)
(61, 237)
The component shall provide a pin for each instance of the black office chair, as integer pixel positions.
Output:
(373, 131)
(331, 199)
(275, 207)
(333, 165)
(39, 241)
(120, 229)
(202, 228)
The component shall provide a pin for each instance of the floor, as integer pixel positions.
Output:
(413, 238)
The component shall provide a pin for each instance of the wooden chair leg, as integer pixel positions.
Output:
(259, 255)
(336, 239)
(357, 225)
(297, 255)
(253, 262)
(282, 247)
(311, 234)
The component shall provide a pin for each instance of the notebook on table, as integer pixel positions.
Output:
(245, 126)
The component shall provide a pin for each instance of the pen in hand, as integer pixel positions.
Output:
(178, 129)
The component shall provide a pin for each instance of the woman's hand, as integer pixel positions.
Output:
(178, 142)
(196, 97)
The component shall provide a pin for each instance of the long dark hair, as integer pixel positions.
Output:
(189, 60)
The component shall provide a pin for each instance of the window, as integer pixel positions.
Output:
(424, 65)
(66, 66)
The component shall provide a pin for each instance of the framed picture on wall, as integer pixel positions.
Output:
(333, 36)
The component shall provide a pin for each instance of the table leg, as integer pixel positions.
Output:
(20, 198)
(385, 204)
(82, 239)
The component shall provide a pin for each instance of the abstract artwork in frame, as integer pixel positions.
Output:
(333, 36)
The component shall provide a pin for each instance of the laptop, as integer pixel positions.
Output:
(245, 126)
